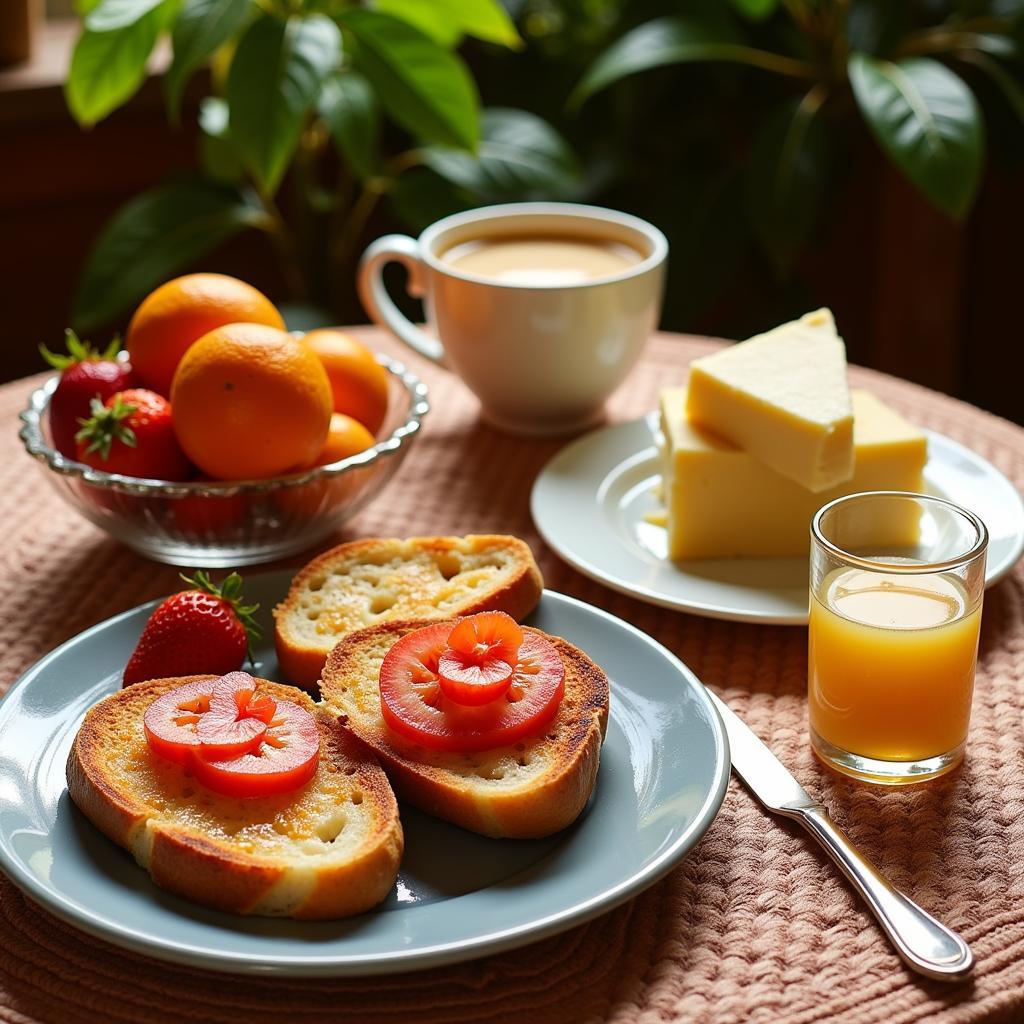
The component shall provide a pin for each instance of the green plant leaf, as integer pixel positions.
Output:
(1003, 79)
(678, 40)
(927, 120)
(201, 28)
(152, 237)
(446, 21)
(784, 179)
(108, 67)
(109, 15)
(349, 106)
(419, 197)
(422, 86)
(520, 156)
(758, 10)
(275, 78)
(218, 156)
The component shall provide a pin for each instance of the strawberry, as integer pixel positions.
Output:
(204, 517)
(85, 374)
(132, 433)
(206, 630)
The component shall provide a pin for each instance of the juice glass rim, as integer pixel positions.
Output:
(905, 568)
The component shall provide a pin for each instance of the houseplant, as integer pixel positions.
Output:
(317, 111)
(821, 70)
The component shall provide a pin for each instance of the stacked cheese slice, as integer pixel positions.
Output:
(766, 433)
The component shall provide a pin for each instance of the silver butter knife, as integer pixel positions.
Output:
(926, 945)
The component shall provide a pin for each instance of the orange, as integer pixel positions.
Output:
(249, 402)
(359, 383)
(182, 310)
(345, 437)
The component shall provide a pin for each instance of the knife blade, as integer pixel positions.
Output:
(925, 944)
(764, 774)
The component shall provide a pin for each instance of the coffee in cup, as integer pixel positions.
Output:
(541, 260)
(541, 308)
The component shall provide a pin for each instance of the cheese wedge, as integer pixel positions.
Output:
(724, 503)
(782, 397)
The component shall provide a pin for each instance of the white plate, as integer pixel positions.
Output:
(664, 771)
(589, 503)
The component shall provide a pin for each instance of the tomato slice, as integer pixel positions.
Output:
(236, 741)
(286, 759)
(170, 721)
(236, 721)
(472, 683)
(250, 703)
(486, 635)
(416, 707)
(477, 666)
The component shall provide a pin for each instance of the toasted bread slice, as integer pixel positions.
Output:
(326, 850)
(528, 789)
(368, 581)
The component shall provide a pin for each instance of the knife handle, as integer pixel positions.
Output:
(926, 945)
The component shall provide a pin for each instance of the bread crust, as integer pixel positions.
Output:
(303, 663)
(547, 804)
(215, 871)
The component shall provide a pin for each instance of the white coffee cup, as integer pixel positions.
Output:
(542, 359)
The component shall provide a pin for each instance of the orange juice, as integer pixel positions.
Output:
(891, 663)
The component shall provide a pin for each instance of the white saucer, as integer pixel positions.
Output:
(590, 501)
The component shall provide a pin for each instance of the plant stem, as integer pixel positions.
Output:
(287, 249)
(768, 61)
(344, 197)
(938, 40)
(798, 12)
(342, 251)
(309, 224)
(403, 162)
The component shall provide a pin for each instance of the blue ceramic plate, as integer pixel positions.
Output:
(664, 769)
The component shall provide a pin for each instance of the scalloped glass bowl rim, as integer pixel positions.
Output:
(35, 444)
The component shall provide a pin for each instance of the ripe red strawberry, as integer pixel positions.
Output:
(85, 374)
(204, 517)
(132, 433)
(206, 630)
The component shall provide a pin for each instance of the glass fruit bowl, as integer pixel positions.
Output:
(242, 522)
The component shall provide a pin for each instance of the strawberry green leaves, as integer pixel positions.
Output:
(106, 424)
(230, 591)
(79, 352)
(926, 119)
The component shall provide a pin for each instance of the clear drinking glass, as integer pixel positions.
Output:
(897, 581)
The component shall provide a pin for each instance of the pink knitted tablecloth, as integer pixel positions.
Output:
(754, 926)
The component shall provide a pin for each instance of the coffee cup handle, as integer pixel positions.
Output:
(379, 305)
